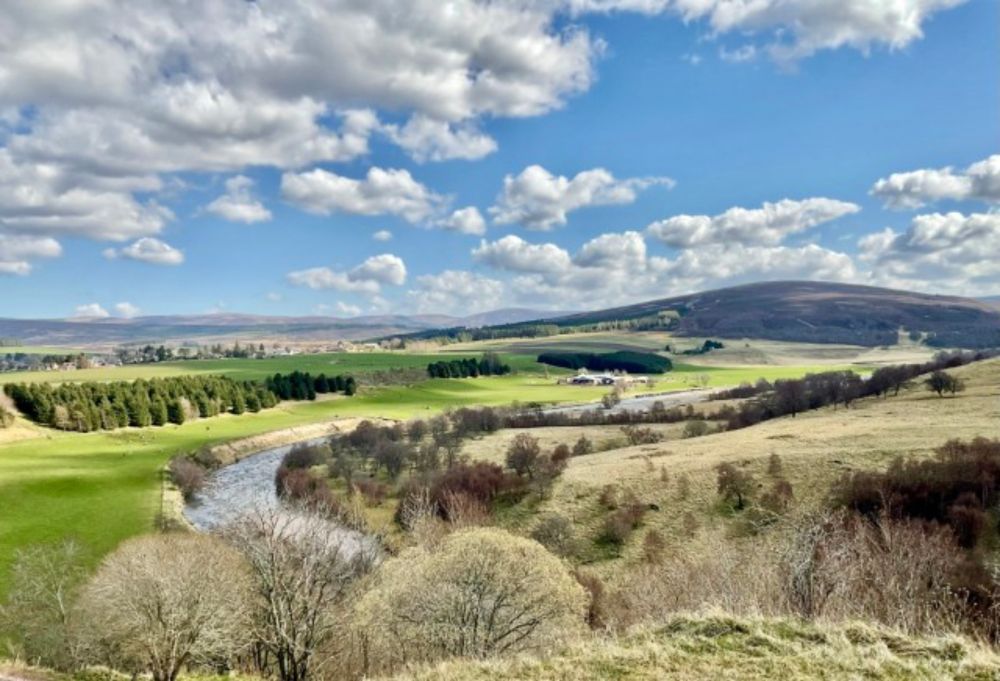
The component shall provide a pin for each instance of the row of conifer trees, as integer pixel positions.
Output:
(92, 405)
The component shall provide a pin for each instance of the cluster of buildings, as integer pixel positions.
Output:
(623, 379)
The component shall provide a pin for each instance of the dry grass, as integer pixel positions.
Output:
(493, 447)
(717, 646)
(815, 448)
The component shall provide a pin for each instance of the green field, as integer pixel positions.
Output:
(103, 487)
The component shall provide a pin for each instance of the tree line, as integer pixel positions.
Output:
(489, 364)
(622, 360)
(92, 405)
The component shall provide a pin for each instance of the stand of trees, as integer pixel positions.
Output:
(624, 360)
(92, 405)
(489, 364)
(300, 385)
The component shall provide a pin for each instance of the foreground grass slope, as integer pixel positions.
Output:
(723, 647)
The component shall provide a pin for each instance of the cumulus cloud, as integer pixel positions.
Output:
(512, 253)
(917, 188)
(380, 192)
(238, 203)
(148, 249)
(616, 268)
(466, 220)
(954, 250)
(793, 29)
(366, 278)
(768, 225)
(127, 310)
(17, 252)
(90, 311)
(540, 200)
(455, 291)
(427, 139)
(382, 235)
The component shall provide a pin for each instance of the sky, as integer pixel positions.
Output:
(350, 157)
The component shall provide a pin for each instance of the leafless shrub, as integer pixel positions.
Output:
(373, 491)
(653, 546)
(638, 435)
(303, 568)
(44, 582)
(163, 602)
(556, 533)
(695, 429)
(481, 593)
(187, 475)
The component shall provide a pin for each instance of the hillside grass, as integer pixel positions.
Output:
(715, 646)
(815, 449)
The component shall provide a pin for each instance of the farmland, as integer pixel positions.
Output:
(102, 487)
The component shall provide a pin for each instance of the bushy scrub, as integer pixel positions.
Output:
(481, 592)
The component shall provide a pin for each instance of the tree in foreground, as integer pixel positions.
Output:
(44, 582)
(303, 567)
(161, 603)
(480, 592)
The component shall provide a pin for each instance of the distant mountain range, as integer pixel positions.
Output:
(803, 311)
(245, 327)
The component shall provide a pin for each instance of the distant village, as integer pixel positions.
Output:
(11, 359)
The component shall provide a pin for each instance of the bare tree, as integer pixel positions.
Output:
(44, 582)
(303, 567)
(163, 602)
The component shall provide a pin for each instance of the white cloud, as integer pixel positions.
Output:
(466, 220)
(90, 311)
(917, 188)
(148, 249)
(127, 310)
(385, 269)
(427, 139)
(366, 278)
(17, 252)
(540, 200)
(381, 192)
(768, 225)
(514, 254)
(273, 297)
(615, 268)
(794, 29)
(955, 251)
(382, 235)
(346, 309)
(238, 203)
(456, 292)
(46, 200)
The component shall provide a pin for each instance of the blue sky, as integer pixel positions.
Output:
(649, 150)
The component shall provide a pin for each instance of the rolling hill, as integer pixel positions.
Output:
(229, 327)
(815, 312)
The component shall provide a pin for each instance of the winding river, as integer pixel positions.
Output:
(238, 488)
